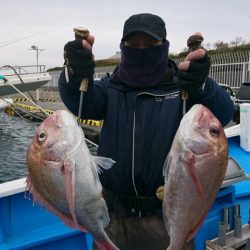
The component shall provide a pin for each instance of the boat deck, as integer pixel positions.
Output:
(25, 225)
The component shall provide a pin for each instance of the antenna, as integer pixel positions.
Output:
(38, 51)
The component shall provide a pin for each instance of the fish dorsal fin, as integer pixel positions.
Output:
(103, 163)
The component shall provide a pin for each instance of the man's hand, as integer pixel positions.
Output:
(193, 72)
(79, 60)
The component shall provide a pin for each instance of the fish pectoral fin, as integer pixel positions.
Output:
(103, 163)
(69, 181)
(38, 198)
(54, 164)
(106, 245)
(104, 213)
(190, 166)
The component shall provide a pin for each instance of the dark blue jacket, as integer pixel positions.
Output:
(139, 127)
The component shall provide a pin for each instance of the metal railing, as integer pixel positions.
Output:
(232, 68)
(229, 68)
(21, 70)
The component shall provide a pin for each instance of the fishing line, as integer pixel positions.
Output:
(3, 44)
(77, 145)
(92, 143)
(11, 40)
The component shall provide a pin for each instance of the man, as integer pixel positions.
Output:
(141, 106)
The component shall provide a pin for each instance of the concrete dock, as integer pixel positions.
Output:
(24, 108)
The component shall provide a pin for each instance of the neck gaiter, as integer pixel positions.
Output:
(143, 68)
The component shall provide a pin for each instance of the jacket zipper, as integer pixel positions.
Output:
(133, 141)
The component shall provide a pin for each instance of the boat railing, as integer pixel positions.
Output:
(22, 70)
(12, 187)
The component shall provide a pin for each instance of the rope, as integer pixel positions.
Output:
(44, 111)
(18, 114)
(32, 101)
(35, 104)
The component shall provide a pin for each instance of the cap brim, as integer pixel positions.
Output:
(154, 36)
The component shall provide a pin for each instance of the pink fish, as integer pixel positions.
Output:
(63, 176)
(194, 171)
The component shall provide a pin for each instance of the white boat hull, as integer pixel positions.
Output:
(30, 82)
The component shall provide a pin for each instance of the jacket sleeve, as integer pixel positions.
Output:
(94, 100)
(218, 101)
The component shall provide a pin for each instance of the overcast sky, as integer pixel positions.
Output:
(49, 24)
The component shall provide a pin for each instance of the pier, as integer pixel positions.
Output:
(22, 107)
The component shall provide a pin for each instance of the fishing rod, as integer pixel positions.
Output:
(11, 40)
(14, 41)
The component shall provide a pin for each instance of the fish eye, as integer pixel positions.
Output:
(42, 136)
(214, 131)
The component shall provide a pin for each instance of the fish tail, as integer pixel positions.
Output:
(106, 245)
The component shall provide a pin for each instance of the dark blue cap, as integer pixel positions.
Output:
(148, 23)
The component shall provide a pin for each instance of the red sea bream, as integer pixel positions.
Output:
(63, 176)
(194, 171)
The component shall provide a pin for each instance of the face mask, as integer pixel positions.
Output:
(143, 68)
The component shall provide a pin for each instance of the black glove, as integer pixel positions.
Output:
(79, 62)
(192, 80)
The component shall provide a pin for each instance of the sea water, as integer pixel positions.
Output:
(15, 135)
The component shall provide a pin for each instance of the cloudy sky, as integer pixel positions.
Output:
(49, 24)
